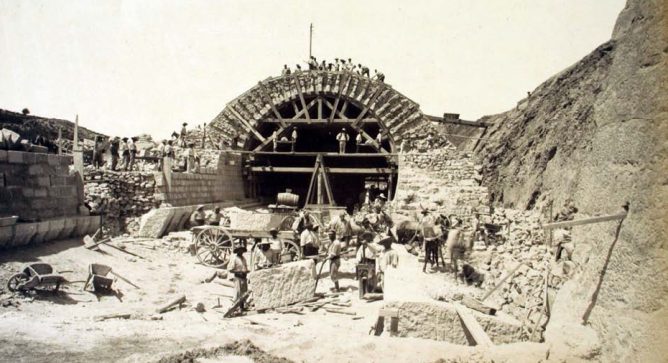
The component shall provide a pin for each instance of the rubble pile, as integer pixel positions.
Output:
(521, 241)
(122, 197)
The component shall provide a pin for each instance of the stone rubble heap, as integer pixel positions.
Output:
(122, 197)
(521, 240)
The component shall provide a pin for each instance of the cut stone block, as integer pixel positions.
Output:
(155, 223)
(440, 321)
(280, 286)
(254, 221)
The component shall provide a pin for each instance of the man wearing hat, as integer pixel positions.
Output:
(190, 158)
(380, 201)
(132, 150)
(261, 255)
(125, 154)
(276, 246)
(334, 257)
(342, 138)
(388, 257)
(239, 268)
(215, 217)
(113, 149)
(309, 240)
(198, 218)
(182, 137)
(161, 154)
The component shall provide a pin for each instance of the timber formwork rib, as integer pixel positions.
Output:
(378, 101)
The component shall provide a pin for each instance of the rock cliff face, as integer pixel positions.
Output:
(594, 137)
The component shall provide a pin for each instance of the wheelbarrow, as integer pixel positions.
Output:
(97, 277)
(33, 276)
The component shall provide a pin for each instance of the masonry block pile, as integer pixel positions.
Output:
(443, 179)
(122, 197)
(36, 186)
(288, 284)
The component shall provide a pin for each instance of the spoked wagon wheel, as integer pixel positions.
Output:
(213, 247)
(286, 223)
(294, 250)
(16, 281)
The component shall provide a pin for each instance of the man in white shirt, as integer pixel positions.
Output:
(276, 246)
(309, 241)
(342, 138)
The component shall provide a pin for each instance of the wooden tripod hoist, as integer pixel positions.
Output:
(318, 180)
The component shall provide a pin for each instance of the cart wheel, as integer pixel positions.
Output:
(213, 247)
(286, 223)
(14, 283)
(294, 249)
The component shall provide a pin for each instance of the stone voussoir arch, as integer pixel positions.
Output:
(243, 116)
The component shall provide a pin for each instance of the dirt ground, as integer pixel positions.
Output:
(43, 327)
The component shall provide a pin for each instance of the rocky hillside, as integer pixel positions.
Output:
(594, 137)
(29, 127)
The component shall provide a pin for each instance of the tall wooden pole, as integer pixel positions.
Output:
(60, 140)
(310, 42)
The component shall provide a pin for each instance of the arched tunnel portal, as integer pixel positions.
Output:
(287, 128)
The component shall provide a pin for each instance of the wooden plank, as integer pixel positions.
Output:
(304, 112)
(368, 105)
(266, 142)
(373, 141)
(344, 107)
(474, 304)
(389, 313)
(245, 123)
(312, 154)
(318, 120)
(459, 122)
(319, 107)
(477, 332)
(581, 222)
(511, 273)
(270, 103)
(338, 98)
(278, 169)
(301, 95)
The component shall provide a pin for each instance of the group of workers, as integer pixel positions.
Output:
(342, 138)
(338, 66)
(124, 149)
(215, 217)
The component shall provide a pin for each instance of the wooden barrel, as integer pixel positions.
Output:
(287, 199)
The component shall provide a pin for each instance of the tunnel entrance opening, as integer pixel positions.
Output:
(279, 163)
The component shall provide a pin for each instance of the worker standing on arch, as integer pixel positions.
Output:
(342, 138)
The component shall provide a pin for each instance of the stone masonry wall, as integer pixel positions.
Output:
(36, 186)
(443, 179)
(221, 181)
(122, 197)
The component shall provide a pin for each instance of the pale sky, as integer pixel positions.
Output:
(131, 67)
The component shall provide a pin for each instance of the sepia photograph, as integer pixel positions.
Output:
(436, 181)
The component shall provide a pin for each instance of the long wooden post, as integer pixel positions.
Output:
(60, 140)
(310, 42)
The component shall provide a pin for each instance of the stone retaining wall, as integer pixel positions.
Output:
(122, 197)
(443, 179)
(36, 186)
(219, 182)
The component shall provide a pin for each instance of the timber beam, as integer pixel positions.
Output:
(459, 122)
(320, 120)
(278, 169)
